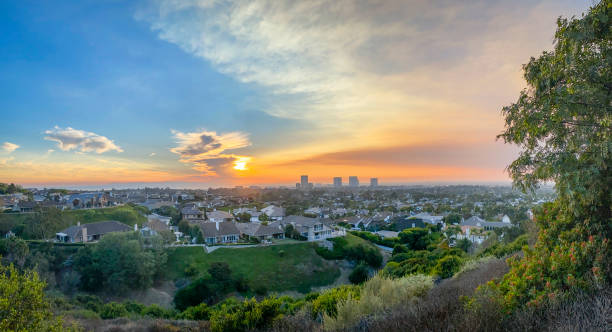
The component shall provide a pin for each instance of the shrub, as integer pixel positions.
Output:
(113, 310)
(246, 316)
(447, 266)
(378, 294)
(326, 302)
(359, 274)
(198, 312)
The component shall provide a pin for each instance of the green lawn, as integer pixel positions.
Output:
(126, 214)
(299, 268)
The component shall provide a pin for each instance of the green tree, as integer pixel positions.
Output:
(359, 274)
(22, 303)
(563, 125)
(453, 218)
(117, 263)
(447, 266)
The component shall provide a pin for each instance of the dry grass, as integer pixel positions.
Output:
(378, 294)
(142, 325)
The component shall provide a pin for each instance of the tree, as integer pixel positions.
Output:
(263, 217)
(452, 218)
(563, 124)
(447, 266)
(22, 303)
(244, 217)
(415, 238)
(359, 274)
(118, 263)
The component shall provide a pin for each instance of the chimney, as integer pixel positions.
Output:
(217, 224)
(84, 233)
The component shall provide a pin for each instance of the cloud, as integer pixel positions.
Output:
(69, 138)
(152, 154)
(206, 151)
(9, 147)
(394, 65)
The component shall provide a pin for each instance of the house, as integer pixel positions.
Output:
(260, 231)
(312, 229)
(220, 232)
(191, 213)
(403, 222)
(476, 222)
(90, 232)
(354, 221)
(25, 206)
(427, 218)
(219, 216)
(274, 212)
(153, 227)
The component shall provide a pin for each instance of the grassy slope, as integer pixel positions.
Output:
(126, 214)
(298, 269)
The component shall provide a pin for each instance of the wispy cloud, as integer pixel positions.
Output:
(69, 138)
(9, 147)
(152, 154)
(207, 151)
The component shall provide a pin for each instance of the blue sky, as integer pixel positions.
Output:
(278, 85)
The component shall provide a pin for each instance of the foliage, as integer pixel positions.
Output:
(377, 294)
(416, 238)
(563, 124)
(113, 310)
(300, 268)
(447, 266)
(22, 303)
(169, 211)
(500, 250)
(118, 262)
(359, 274)
(247, 315)
(326, 303)
(11, 189)
(374, 238)
(453, 218)
(244, 217)
(357, 251)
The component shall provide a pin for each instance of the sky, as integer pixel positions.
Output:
(208, 93)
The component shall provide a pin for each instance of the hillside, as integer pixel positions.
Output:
(289, 267)
(44, 224)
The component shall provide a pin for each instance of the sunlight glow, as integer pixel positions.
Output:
(240, 164)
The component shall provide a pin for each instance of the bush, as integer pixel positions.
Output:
(377, 294)
(359, 274)
(198, 312)
(246, 316)
(113, 310)
(447, 266)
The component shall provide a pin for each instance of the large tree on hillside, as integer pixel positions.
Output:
(563, 124)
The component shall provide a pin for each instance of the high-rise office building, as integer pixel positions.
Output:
(338, 181)
(353, 181)
(373, 182)
(304, 181)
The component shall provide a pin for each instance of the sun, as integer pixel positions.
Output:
(240, 164)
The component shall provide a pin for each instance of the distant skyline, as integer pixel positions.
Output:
(196, 94)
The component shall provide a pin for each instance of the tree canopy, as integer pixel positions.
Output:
(563, 123)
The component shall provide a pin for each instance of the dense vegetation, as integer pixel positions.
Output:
(266, 269)
(353, 249)
(563, 124)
